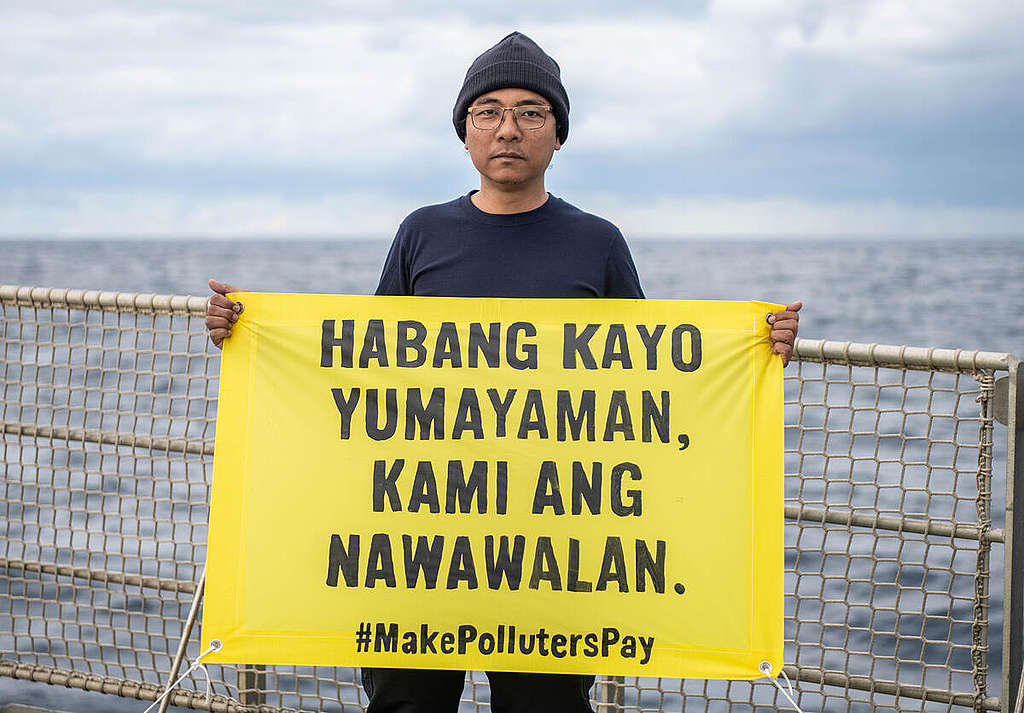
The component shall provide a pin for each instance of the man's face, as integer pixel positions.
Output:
(511, 155)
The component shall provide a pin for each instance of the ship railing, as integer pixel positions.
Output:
(904, 552)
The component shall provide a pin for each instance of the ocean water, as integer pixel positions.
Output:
(937, 292)
(943, 293)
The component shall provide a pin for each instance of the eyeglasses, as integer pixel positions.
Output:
(527, 116)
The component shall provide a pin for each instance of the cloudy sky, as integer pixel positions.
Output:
(725, 117)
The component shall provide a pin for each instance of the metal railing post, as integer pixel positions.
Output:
(186, 634)
(611, 695)
(252, 684)
(1013, 568)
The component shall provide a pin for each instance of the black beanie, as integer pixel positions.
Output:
(515, 62)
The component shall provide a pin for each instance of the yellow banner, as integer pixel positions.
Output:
(574, 486)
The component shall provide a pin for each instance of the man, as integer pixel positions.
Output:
(511, 238)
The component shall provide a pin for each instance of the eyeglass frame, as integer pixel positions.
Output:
(545, 107)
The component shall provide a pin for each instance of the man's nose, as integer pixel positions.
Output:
(508, 129)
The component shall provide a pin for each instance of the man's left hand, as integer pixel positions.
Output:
(784, 328)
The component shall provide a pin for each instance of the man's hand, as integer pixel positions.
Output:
(222, 313)
(783, 332)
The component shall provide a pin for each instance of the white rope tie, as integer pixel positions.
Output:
(215, 645)
(788, 692)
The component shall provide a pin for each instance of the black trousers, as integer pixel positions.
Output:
(405, 690)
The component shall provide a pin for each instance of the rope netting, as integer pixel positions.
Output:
(108, 404)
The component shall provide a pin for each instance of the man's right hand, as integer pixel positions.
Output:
(222, 313)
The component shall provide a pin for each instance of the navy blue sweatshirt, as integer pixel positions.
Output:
(456, 250)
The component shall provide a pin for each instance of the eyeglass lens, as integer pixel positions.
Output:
(528, 117)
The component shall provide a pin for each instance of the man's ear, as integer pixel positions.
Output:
(558, 144)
